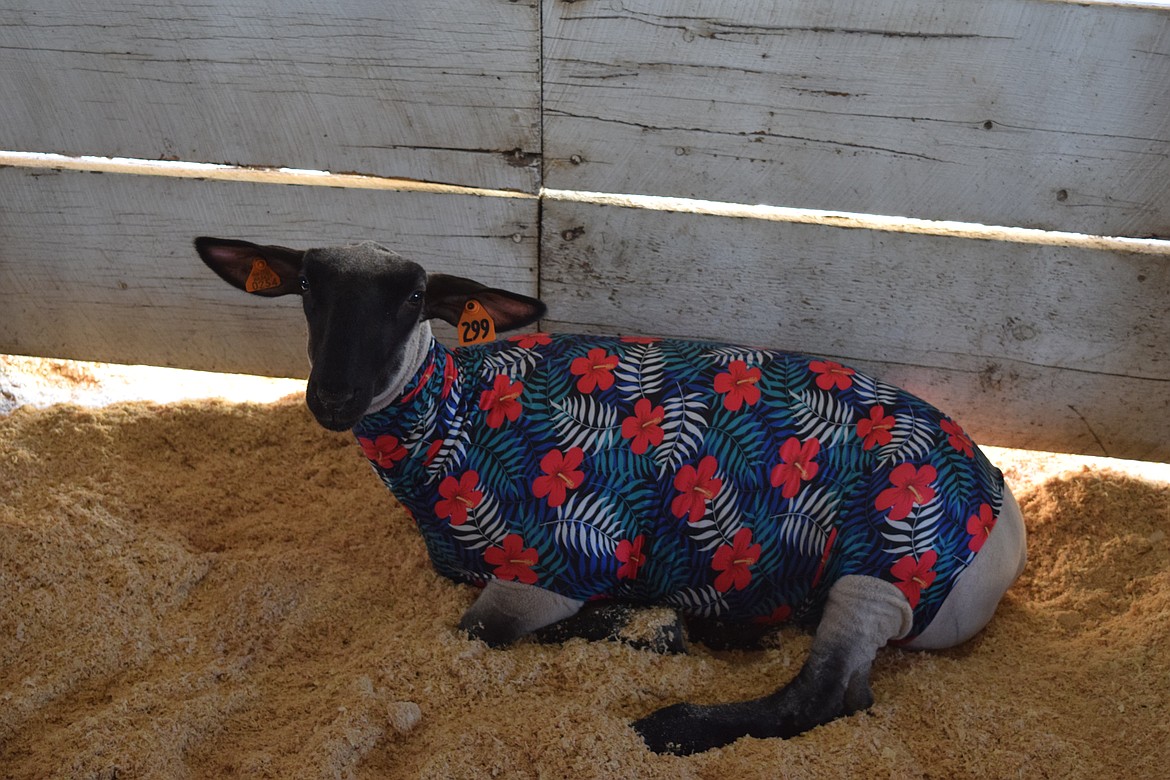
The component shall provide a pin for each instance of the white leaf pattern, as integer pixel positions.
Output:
(705, 602)
(453, 450)
(918, 532)
(585, 422)
(871, 392)
(910, 440)
(587, 523)
(809, 520)
(514, 363)
(725, 355)
(721, 520)
(485, 526)
(642, 372)
(682, 430)
(822, 416)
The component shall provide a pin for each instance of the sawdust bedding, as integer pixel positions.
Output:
(215, 590)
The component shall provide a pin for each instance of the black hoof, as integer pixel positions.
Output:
(681, 729)
(494, 637)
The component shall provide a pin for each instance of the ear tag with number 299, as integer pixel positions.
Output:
(475, 324)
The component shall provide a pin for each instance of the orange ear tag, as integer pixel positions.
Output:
(261, 277)
(475, 325)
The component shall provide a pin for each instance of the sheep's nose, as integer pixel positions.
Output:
(334, 399)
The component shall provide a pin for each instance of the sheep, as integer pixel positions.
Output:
(739, 485)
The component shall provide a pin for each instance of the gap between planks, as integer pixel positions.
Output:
(311, 178)
(1159, 5)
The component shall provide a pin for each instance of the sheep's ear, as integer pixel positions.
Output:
(260, 270)
(447, 295)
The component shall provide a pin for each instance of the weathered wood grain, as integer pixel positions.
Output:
(101, 267)
(1006, 112)
(417, 89)
(1053, 115)
(1038, 347)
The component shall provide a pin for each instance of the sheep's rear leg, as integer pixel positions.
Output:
(861, 616)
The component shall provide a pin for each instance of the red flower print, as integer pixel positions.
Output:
(512, 561)
(738, 384)
(979, 526)
(560, 475)
(384, 450)
(831, 374)
(911, 486)
(696, 487)
(875, 429)
(595, 371)
(644, 426)
(531, 340)
(449, 375)
(631, 557)
(459, 495)
(796, 465)
(432, 451)
(914, 576)
(779, 615)
(735, 560)
(502, 401)
(957, 438)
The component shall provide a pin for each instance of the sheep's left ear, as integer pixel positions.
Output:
(447, 295)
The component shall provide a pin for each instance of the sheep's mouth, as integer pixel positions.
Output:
(336, 422)
(336, 418)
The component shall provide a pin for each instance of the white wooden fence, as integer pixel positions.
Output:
(1046, 115)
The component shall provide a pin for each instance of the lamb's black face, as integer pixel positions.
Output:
(362, 305)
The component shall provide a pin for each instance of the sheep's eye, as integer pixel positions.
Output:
(304, 283)
(415, 297)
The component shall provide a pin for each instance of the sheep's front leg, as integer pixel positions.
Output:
(658, 629)
(506, 611)
(861, 616)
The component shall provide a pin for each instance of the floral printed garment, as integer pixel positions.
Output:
(725, 481)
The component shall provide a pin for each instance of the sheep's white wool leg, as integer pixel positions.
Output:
(861, 616)
(972, 602)
(506, 611)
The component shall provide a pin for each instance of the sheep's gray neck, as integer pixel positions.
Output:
(414, 353)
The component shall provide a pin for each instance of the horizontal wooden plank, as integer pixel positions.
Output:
(1026, 113)
(430, 90)
(1029, 346)
(101, 267)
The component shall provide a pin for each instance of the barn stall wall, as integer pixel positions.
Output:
(1049, 116)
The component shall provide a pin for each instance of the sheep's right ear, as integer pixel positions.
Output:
(260, 270)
